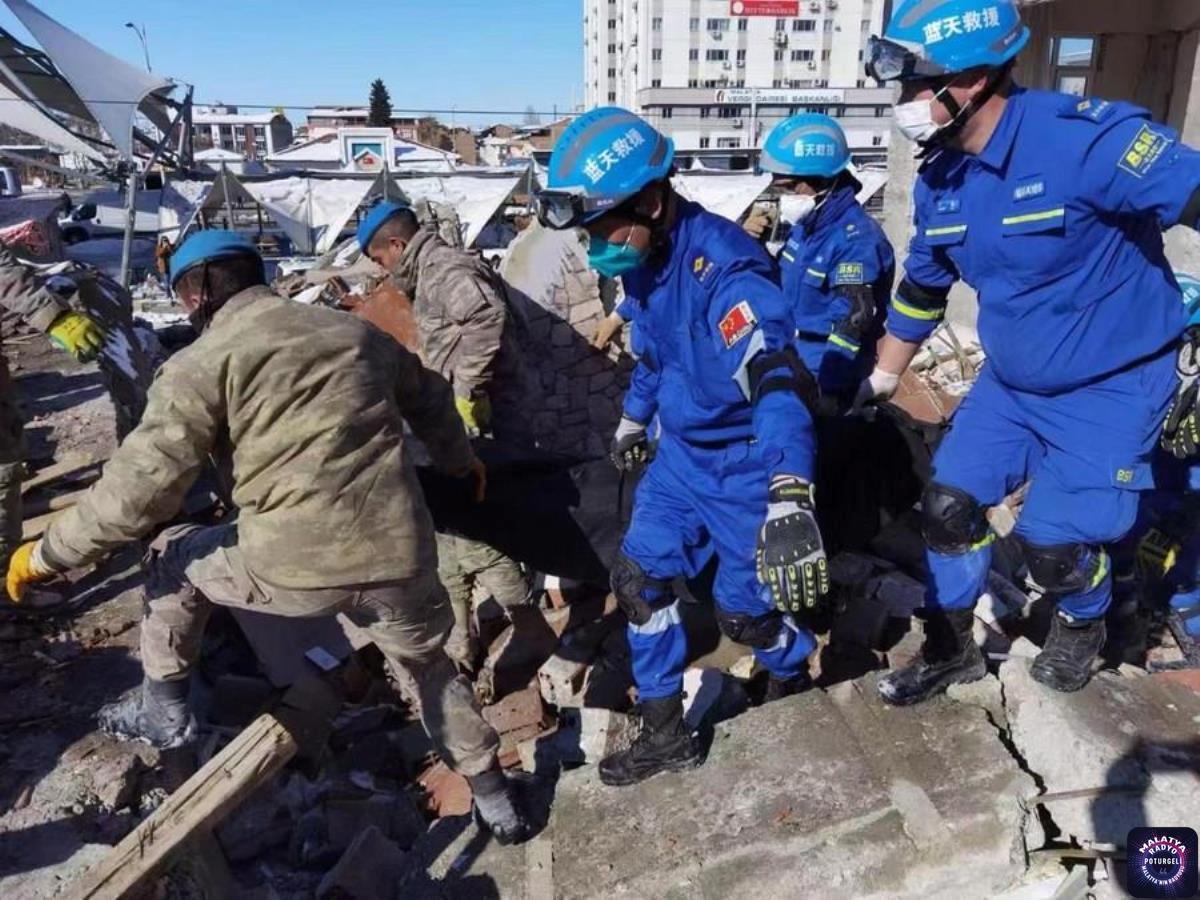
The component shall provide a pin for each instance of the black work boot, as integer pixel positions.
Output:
(1065, 663)
(948, 656)
(778, 688)
(156, 713)
(498, 809)
(664, 745)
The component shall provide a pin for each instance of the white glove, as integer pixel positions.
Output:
(878, 387)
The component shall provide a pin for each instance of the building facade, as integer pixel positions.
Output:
(324, 120)
(253, 136)
(717, 75)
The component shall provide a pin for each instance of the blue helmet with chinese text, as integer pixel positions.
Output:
(1190, 286)
(605, 157)
(934, 38)
(807, 145)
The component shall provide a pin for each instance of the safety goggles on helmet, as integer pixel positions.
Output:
(889, 61)
(561, 208)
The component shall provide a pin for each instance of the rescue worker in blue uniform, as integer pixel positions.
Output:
(1052, 208)
(836, 265)
(732, 475)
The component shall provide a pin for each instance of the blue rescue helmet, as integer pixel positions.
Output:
(807, 145)
(603, 158)
(209, 246)
(1190, 286)
(934, 38)
(374, 219)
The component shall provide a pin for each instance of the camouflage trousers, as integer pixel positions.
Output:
(192, 567)
(463, 566)
(12, 455)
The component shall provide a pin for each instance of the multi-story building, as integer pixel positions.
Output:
(717, 75)
(328, 119)
(254, 136)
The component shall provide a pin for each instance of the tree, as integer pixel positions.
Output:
(380, 114)
(531, 116)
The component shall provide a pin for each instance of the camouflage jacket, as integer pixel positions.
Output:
(306, 406)
(24, 296)
(462, 318)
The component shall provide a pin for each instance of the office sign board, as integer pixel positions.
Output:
(764, 7)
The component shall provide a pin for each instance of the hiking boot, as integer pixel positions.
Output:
(778, 688)
(664, 745)
(948, 656)
(497, 808)
(1065, 662)
(156, 713)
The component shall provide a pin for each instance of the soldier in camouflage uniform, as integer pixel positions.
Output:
(466, 337)
(306, 407)
(25, 298)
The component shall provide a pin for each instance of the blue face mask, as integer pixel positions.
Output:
(613, 260)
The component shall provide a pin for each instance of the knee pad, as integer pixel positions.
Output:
(760, 632)
(952, 521)
(638, 595)
(1064, 568)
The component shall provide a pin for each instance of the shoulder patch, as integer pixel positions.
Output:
(702, 268)
(1090, 108)
(1147, 148)
(848, 273)
(737, 324)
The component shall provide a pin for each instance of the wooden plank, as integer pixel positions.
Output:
(199, 804)
(56, 503)
(32, 529)
(68, 465)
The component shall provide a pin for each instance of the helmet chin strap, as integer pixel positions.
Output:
(961, 114)
(660, 237)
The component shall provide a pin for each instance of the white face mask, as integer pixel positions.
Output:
(915, 120)
(795, 208)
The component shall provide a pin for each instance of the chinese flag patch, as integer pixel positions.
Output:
(738, 323)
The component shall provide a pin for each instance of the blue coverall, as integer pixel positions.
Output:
(1057, 225)
(824, 263)
(700, 317)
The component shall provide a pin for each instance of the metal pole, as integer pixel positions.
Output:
(753, 122)
(130, 216)
(228, 204)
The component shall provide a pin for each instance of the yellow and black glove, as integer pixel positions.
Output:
(78, 334)
(1181, 431)
(25, 568)
(476, 413)
(791, 556)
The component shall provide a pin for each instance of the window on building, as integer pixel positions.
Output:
(743, 24)
(694, 54)
(693, 82)
(819, 110)
(656, 23)
(656, 54)
(861, 56)
(717, 24)
(704, 143)
(710, 83)
(729, 143)
(825, 55)
(693, 24)
(741, 56)
(612, 23)
(877, 140)
(862, 83)
(716, 55)
(612, 48)
(741, 82)
(802, 56)
(881, 111)
(729, 112)
(1074, 64)
(804, 25)
(705, 112)
(668, 112)
(781, 24)
(829, 26)
(612, 73)
(777, 83)
(612, 96)
(865, 27)
(778, 56)
(655, 82)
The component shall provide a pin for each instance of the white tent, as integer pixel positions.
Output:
(727, 194)
(474, 198)
(22, 114)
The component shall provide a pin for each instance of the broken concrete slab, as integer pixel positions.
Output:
(1121, 753)
(368, 870)
(515, 656)
(809, 796)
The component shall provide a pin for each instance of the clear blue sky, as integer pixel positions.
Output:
(432, 54)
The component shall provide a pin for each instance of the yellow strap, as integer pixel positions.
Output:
(988, 540)
(949, 229)
(815, 272)
(842, 342)
(928, 315)
(1101, 572)
(788, 256)
(1036, 217)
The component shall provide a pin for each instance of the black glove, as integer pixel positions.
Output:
(791, 556)
(1181, 431)
(629, 446)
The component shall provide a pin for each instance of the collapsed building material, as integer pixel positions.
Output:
(225, 781)
(368, 870)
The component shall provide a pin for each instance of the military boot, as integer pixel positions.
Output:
(495, 805)
(664, 745)
(1065, 662)
(156, 713)
(948, 656)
